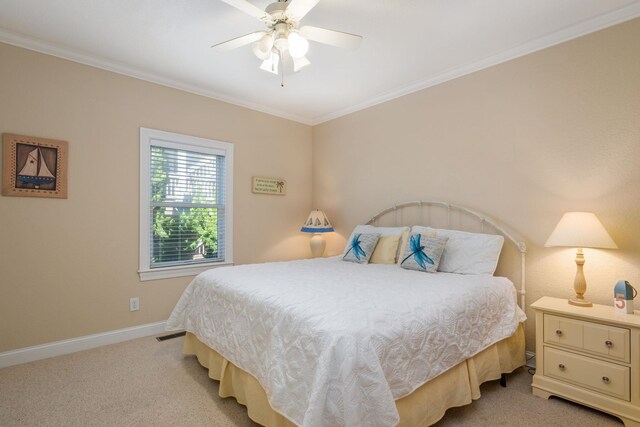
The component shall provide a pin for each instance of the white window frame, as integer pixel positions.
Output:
(149, 137)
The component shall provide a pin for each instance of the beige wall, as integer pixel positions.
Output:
(69, 267)
(524, 142)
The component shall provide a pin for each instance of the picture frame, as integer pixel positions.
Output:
(34, 167)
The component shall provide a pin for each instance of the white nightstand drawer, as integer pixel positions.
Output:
(607, 341)
(563, 331)
(597, 375)
(603, 340)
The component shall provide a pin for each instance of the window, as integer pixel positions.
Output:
(186, 201)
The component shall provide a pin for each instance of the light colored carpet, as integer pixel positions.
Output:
(145, 382)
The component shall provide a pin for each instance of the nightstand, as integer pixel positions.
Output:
(590, 355)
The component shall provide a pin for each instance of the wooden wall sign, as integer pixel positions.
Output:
(274, 186)
(34, 167)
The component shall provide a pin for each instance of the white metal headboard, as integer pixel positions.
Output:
(428, 204)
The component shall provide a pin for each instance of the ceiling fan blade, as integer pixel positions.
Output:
(249, 9)
(238, 41)
(297, 9)
(331, 37)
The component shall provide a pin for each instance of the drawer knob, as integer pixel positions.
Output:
(561, 366)
(605, 380)
(558, 332)
(608, 343)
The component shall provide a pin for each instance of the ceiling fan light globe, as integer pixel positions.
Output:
(281, 43)
(300, 63)
(298, 45)
(262, 48)
(259, 52)
(266, 42)
(271, 64)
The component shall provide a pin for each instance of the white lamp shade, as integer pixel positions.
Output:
(580, 230)
(317, 222)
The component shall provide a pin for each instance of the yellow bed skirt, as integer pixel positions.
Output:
(456, 387)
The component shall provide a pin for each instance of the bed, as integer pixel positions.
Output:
(327, 342)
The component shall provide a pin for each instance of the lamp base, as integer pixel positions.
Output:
(317, 245)
(580, 302)
(580, 283)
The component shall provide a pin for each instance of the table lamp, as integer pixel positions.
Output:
(317, 223)
(580, 230)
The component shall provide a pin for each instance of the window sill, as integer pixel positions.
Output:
(179, 271)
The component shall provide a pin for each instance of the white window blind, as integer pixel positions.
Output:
(185, 204)
(187, 207)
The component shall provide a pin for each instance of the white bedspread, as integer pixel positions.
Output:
(335, 343)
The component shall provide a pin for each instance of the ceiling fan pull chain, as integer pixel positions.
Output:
(282, 75)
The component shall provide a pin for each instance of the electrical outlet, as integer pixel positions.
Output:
(134, 304)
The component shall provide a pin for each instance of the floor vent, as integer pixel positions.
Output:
(171, 336)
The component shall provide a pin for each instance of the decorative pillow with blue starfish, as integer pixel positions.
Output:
(423, 252)
(360, 247)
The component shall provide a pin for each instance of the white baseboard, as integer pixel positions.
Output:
(58, 348)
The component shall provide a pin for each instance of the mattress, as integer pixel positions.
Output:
(337, 343)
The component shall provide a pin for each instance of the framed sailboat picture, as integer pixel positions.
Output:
(34, 167)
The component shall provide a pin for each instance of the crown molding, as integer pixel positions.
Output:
(569, 33)
(30, 43)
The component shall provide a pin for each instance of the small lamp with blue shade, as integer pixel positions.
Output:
(317, 223)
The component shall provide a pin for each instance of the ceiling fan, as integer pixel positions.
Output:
(283, 46)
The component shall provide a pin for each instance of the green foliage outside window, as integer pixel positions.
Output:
(180, 233)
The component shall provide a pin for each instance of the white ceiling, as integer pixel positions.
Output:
(408, 44)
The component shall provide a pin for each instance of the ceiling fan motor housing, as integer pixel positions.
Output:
(280, 36)
(276, 10)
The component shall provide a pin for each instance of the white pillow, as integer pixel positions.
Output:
(467, 253)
